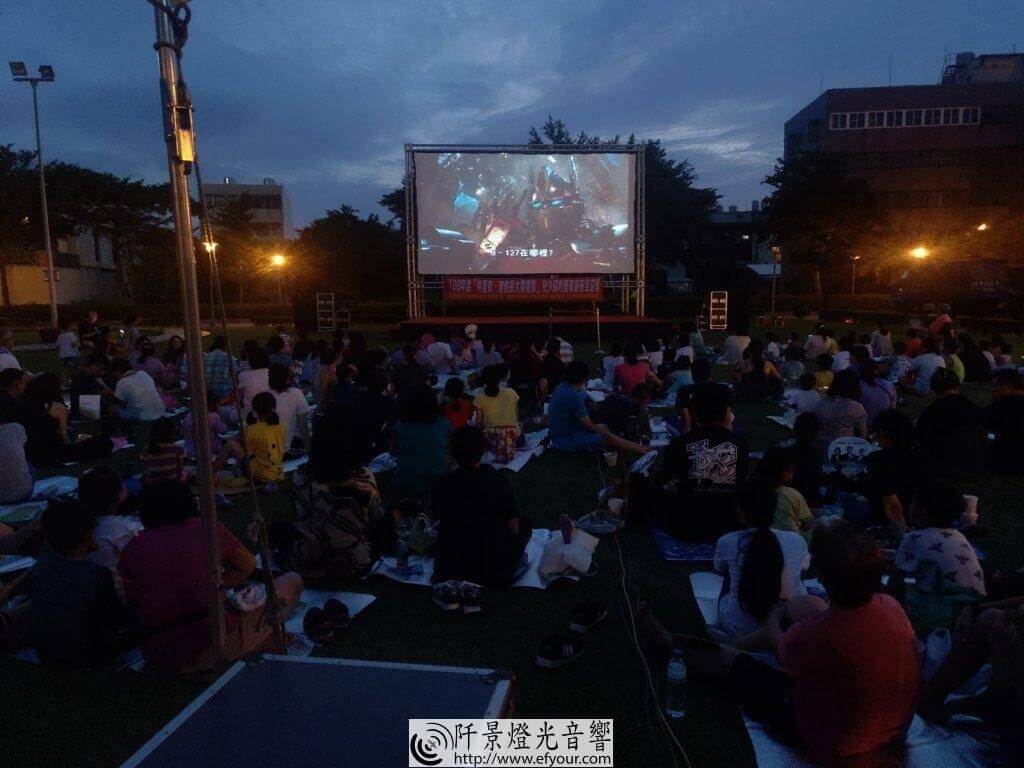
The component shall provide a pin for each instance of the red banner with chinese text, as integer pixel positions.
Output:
(564, 288)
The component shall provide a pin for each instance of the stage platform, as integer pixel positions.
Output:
(613, 327)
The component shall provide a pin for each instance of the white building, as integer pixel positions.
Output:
(271, 208)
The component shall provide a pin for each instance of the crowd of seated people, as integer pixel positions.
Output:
(140, 566)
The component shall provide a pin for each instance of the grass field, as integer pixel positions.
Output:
(55, 718)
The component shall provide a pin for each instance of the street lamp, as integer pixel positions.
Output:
(278, 261)
(920, 252)
(982, 227)
(853, 274)
(211, 249)
(20, 74)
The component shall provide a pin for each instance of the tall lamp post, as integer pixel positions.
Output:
(211, 249)
(278, 261)
(21, 75)
(853, 274)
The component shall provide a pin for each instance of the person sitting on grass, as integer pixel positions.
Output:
(792, 366)
(1005, 419)
(89, 381)
(850, 671)
(53, 442)
(894, 472)
(762, 565)
(136, 394)
(324, 379)
(163, 458)
(497, 407)
(632, 371)
(706, 467)
(67, 345)
(457, 406)
(840, 414)
(264, 442)
(897, 367)
(808, 477)
(221, 447)
(337, 506)
(952, 429)
(627, 417)
(823, 376)
(777, 467)
(103, 494)
(291, 406)
(805, 396)
(481, 535)
(168, 590)
(570, 427)
(74, 614)
(923, 366)
(610, 362)
(18, 481)
(937, 548)
(876, 394)
(756, 377)
(420, 443)
(680, 376)
(552, 369)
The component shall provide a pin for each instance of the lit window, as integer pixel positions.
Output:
(857, 120)
(951, 116)
(876, 119)
(914, 117)
(894, 118)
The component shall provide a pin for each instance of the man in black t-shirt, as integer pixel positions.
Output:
(952, 429)
(88, 331)
(626, 417)
(894, 472)
(707, 466)
(1005, 419)
(481, 535)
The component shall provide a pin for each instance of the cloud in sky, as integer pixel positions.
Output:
(322, 94)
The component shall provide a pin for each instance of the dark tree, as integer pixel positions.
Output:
(820, 214)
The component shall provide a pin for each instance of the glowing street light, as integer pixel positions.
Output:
(982, 227)
(278, 261)
(210, 246)
(920, 252)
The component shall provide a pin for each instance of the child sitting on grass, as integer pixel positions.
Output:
(103, 494)
(162, 459)
(220, 447)
(805, 396)
(457, 407)
(264, 442)
(791, 513)
(824, 376)
(67, 345)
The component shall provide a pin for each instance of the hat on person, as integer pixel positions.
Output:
(470, 331)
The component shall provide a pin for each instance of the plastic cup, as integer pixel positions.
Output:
(970, 515)
(615, 507)
(611, 458)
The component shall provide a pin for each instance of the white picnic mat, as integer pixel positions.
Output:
(354, 601)
(43, 490)
(787, 420)
(531, 578)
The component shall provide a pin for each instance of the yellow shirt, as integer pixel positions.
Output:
(823, 379)
(265, 445)
(791, 510)
(499, 411)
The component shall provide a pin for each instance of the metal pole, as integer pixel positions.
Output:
(775, 263)
(178, 136)
(853, 277)
(47, 244)
(597, 322)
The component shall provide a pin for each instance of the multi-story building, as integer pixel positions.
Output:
(929, 150)
(271, 209)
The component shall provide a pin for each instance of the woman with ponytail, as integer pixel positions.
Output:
(762, 566)
(496, 406)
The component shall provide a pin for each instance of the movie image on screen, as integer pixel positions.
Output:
(509, 213)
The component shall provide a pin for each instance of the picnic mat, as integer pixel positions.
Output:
(301, 645)
(14, 563)
(387, 461)
(43, 491)
(785, 420)
(531, 578)
(707, 587)
(675, 551)
(925, 746)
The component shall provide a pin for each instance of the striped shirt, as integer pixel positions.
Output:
(166, 463)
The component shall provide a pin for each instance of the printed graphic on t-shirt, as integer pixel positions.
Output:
(712, 466)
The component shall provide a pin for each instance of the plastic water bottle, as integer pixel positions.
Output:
(402, 546)
(675, 686)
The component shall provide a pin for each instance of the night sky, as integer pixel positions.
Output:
(322, 95)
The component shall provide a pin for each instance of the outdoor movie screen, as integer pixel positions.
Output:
(519, 213)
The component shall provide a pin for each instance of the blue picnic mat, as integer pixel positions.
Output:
(676, 551)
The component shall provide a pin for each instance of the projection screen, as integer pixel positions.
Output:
(522, 212)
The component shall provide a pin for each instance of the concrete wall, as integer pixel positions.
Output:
(27, 285)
